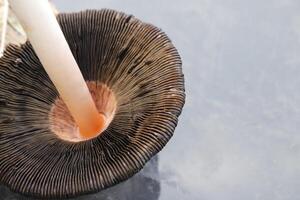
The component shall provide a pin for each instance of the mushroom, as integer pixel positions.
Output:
(134, 74)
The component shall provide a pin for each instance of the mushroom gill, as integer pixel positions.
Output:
(134, 74)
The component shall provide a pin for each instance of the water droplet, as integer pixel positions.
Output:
(173, 90)
(18, 61)
(156, 134)
(118, 16)
(148, 62)
(136, 116)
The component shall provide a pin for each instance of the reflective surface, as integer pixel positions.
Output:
(238, 136)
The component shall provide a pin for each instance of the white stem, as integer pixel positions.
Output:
(4, 26)
(48, 41)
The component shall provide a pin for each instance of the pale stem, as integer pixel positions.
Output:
(50, 45)
(4, 26)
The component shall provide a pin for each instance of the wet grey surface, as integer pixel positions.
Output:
(238, 136)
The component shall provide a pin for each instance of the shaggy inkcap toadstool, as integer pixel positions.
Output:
(134, 75)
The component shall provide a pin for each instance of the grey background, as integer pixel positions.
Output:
(238, 136)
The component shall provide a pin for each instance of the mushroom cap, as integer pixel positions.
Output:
(139, 64)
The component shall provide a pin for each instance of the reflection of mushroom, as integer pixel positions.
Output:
(134, 74)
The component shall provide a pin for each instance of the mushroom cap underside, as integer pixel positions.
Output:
(135, 60)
